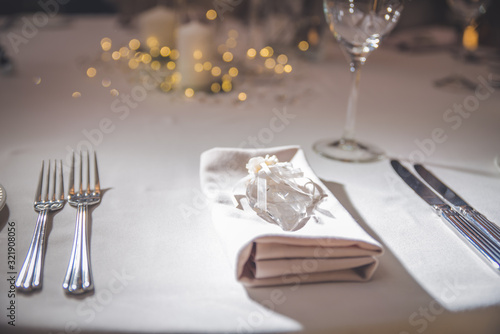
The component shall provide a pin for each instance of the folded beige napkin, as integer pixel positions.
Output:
(330, 247)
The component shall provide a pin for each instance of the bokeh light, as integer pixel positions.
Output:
(303, 46)
(91, 72)
(242, 96)
(106, 44)
(134, 44)
(189, 92)
(211, 14)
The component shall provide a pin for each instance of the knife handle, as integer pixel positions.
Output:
(482, 222)
(476, 238)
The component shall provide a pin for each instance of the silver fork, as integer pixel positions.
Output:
(30, 276)
(78, 277)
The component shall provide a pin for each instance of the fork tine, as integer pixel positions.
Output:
(47, 186)
(72, 176)
(97, 185)
(88, 173)
(38, 194)
(54, 182)
(61, 183)
(80, 191)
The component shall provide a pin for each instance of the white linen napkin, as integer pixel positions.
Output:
(332, 247)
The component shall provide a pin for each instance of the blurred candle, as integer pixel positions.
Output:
(470, 38)
(196, 46)
(160, 23)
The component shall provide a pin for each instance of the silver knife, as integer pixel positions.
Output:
(488, 250)
(488, 227)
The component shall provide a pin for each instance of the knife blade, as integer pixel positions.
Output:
(474, 236)
(488, 227)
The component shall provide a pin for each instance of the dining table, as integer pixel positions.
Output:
(158, 263)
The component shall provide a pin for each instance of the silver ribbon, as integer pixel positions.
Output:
(281, 173)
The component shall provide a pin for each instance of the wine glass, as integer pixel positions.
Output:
(359, 26)
(467, 12)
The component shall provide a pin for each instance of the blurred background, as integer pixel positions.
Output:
(416, 13)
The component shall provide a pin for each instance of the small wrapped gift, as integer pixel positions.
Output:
(280, 193)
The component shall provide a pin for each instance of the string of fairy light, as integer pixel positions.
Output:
(223, 71)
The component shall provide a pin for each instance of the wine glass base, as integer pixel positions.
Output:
(348, 150)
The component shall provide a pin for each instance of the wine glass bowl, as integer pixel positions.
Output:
(359, 27)
(468, 10)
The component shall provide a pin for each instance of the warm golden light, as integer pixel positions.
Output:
(124, 51)
(165, 86)
(227, 56)
(231, 43)
(76, 94)
(216, 71)
(171, 65)
(470, 38)
(115, 55)
(313, 37)
(152, 41)
(114, 92)
(133, 64)
(177, 77)
(146, 58)
(233, 71)
(189, 92)
(251, 53)
(197, 54)
(106, 83)
(134, 44)
(174, 54)
(198, 67)
(303, 46)
(215, 87)
(242, 96)
(287, 68)
(282, 59)
(106, 44)
(227, 86)
(154, 51)
(165, 51)
(156, 65)
(279, 68)
(207, 66)
(270, 63)
(211, 14)
(266, 52)
(91, 72)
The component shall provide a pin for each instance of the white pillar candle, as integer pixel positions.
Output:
(159, 22)
(196, 46)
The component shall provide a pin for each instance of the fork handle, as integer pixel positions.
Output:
(30, 276)
(78, 277)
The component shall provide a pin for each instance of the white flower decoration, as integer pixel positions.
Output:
(254, 164)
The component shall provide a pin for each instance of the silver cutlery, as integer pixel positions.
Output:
(78, 277)
(488, 227)
(475, 237)
(30, 276)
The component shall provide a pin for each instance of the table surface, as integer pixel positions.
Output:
(159, 265)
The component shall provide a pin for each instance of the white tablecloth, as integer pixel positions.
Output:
(157, 262)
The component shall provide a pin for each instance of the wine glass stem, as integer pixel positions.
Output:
(352, 105)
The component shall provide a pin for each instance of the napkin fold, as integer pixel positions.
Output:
(330, 247)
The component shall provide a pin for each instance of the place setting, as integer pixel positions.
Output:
(259, 183)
